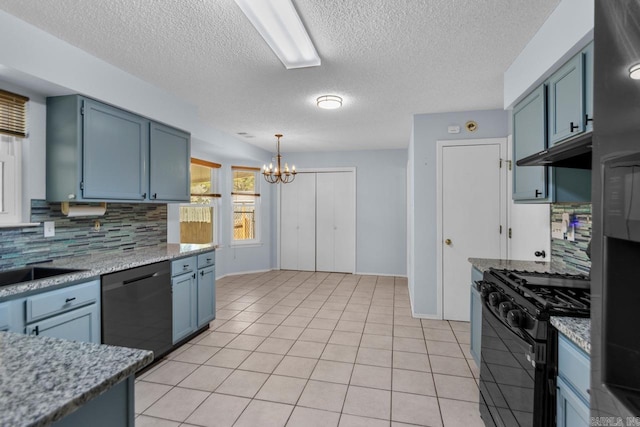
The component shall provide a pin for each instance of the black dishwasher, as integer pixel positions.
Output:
(137, 308)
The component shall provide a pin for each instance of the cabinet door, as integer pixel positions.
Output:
(5, 316)
(566, 104)
(170, 159)
(77, 325)
(184, 305)
(588, 87)
(571, 410)
(206, 295)
(115, 151)
(529, 137)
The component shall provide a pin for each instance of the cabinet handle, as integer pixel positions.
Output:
(202, 273)
(587, 119)
(573, 127)
(144, 195)
(538, 193)
(185, 266)
(154, 196)
(194, 275)
(68, 300)
(36, 331)
(209, 259)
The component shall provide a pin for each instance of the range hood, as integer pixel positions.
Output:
(575, 154)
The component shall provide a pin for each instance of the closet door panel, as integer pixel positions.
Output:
(325, 207)
(297, 224)
(344, 222)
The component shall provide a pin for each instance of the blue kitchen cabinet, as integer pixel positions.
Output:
(169, 164)
(114, 153)
(566, 102)
(184, 288)
(97, 152)
(206, 288)
(5, 317)
(71, 313)
(588, 87)
(476, 316)
(573, 379)
(529, 119)
(571, 98)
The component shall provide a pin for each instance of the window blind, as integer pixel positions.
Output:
(13, 114)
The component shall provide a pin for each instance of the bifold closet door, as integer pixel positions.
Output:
(298, 223)
(335, 222)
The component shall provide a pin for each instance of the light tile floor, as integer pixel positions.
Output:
(314, 349)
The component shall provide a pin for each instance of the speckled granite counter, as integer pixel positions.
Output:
(576, 329)
(44, 379)
(96, 265)
(483, 264)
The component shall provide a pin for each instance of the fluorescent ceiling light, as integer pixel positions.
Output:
(280, 26)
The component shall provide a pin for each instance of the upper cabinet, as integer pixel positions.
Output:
(96, 152)
(553, 113)
(571, 97)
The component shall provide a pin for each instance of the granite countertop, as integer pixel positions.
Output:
(483, 264)
(99, 264)
(577, 329)
(43, 379)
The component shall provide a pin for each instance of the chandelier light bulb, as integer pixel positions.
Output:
(634, 72)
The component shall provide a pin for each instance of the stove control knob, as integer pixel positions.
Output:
(505, 307)
(495, 298)
(485, 289)
(515, 318)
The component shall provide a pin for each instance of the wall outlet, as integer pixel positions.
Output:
(556, 230)
(49, 229)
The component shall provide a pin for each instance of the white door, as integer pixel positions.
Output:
(473, 190)
(298, 223)
(335, 222)
(529, 226)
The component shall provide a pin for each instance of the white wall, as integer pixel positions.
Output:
(47, 66)
(568, 29)
(381, 215)
(427, 129)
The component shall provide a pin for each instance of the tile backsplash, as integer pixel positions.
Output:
(123, 227)
(572, 254)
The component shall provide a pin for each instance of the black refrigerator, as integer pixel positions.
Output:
(615, 271)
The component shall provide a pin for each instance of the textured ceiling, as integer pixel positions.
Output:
(388, 59)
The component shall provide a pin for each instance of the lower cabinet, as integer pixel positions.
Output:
(206, 295)
(476, 316)
(572, 384)
(81, 324)
(194, 294)
(184, 305)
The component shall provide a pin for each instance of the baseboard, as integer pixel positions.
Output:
(240, 273)
(381, 274)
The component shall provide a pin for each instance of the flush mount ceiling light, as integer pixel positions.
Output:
(329, 102)
(280, 26)
(634, 72)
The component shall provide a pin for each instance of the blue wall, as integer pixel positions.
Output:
(381, 204)
(422, 240)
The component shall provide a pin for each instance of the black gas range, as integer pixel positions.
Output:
(519, 345)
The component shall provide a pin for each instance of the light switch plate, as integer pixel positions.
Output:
(49, 229)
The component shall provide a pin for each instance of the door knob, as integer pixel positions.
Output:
(447, 242)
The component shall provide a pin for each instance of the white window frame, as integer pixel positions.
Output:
(11, 181)
(257, 225)
(215, 204)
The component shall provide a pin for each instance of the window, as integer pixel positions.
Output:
(199, 220)
(13, 127)
(245, 194)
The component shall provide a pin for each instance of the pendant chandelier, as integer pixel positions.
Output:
(274, 176)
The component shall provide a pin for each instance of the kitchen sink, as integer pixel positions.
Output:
(26, 274)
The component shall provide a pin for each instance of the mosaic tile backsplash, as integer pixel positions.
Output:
(123, 227)
(572, 254)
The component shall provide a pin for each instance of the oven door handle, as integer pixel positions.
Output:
(518, 334)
